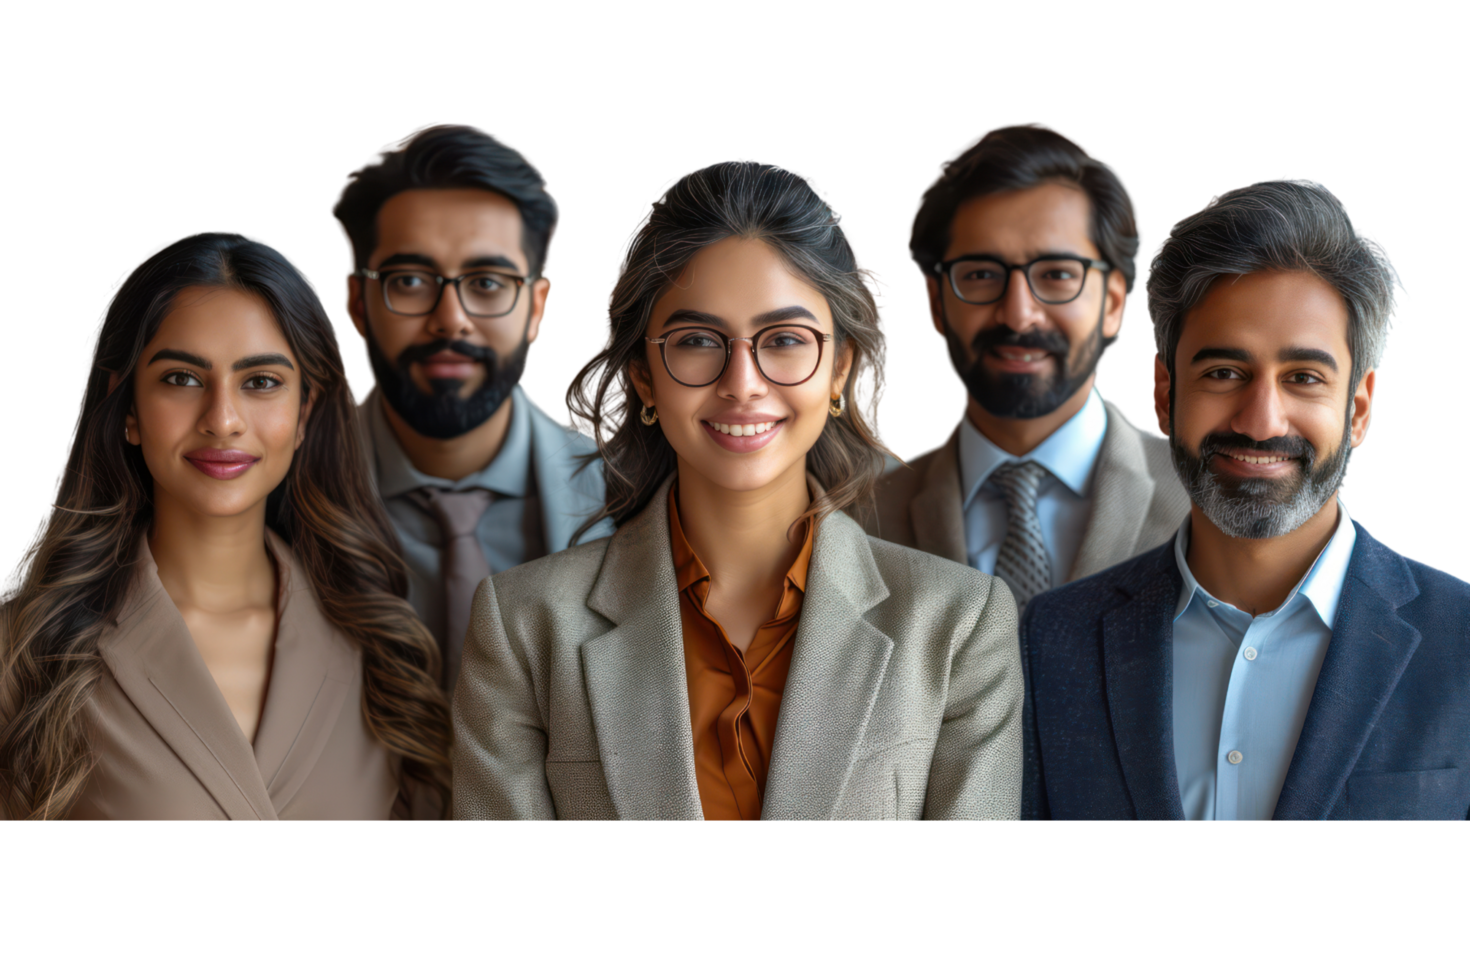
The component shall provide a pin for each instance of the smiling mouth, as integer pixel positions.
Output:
(754, 429)
(1254, 459)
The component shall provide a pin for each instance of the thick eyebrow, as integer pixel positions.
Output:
(1220, 354)
(478, 262)
(1032, 256)
(1313, 354)
(710, 320)
(169, 354)
(785, 313)
(261, 360)
(204, 363)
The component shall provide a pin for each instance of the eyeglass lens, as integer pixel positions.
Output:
(482, 293)
(695, 356)
(1052, 280)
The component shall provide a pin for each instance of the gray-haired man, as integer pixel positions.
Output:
(1272, 659)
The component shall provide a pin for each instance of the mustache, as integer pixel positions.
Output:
(1047, 341)
(422, 352)
(1293, 446)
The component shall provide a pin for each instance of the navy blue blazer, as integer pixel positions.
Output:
(1387, 732)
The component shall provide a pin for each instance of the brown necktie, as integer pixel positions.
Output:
(462, 566)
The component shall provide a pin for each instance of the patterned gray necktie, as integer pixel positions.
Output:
(1022, 563)
(462, 565)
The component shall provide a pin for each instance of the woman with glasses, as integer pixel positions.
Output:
(212, 624)
(739, 648)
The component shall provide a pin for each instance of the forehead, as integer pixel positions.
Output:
(1019, 225)
(449, 225)
(1265, 313)
(220, 324)
(738, 279)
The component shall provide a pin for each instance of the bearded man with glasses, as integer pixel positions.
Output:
(449, 236)
(1027, 244)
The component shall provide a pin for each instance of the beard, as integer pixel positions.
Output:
(1014, 395)
(1261, 507)
(444, 413)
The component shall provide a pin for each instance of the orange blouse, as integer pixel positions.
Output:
(734, 697)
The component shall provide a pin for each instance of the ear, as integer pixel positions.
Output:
(301, 420)
(936, 301)
(1117, 296)
(130, 421)
(356, 299)
(1162, 384)
(538, 291)
(1363, 407)
(642, 380)
(841, 368)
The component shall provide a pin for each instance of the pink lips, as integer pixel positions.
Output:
(742, 444)
(448, 364)
(222, 464)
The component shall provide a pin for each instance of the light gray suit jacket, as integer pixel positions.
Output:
(1137, 501)
(903, 699)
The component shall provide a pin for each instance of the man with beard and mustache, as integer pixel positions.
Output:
(1027, 244)
(1272, 660)
(449, 235)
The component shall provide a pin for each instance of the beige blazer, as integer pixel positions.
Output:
(1137, 501)
(903, 699)
(168, 747)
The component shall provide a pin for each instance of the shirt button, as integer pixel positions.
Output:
(1211, 603)
(1250, 653)
(1235, 758)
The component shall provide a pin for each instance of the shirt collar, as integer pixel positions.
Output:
(1069, 454)
(1322, 585)
(507, 475)
(690, 571)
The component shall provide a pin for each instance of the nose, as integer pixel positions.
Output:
(221, 416)
(742, 380)
(1261, 413)
(1018, 309)
(449, 319)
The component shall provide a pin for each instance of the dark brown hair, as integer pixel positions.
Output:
(326, 509)
(1015, 158)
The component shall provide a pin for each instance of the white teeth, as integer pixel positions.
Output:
(753, 429)
(1259, 460)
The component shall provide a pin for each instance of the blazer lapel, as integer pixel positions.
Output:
(1370, 647)
(310, 678)
(153, 657)
(836, 670)
(1122, 490)
(1138, 664)
(936, 510)
(636, 683)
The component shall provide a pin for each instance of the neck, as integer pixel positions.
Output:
(456, 458)
(1019, 436)
(1256, 575)
(217, 564)
(744, 537)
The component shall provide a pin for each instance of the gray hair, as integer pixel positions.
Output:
(1279, 225)
(747, 200)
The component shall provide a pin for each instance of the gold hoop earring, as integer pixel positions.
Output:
(836, 407)
(649, 415)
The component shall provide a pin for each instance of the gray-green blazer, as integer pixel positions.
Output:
(903, 699)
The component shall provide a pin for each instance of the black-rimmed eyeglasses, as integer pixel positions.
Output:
(784, 354)
(984, 279)
(414, 292)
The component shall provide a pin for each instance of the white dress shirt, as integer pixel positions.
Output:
(1063, 501)
(1242, 684)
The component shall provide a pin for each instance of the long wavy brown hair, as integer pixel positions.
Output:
(78, 571)
(749, 200)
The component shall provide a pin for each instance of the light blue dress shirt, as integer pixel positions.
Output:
(510, 532)
(1063, 501)
(1242, 684)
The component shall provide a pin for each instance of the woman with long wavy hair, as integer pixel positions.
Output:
(739, 648)
(212, 622)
